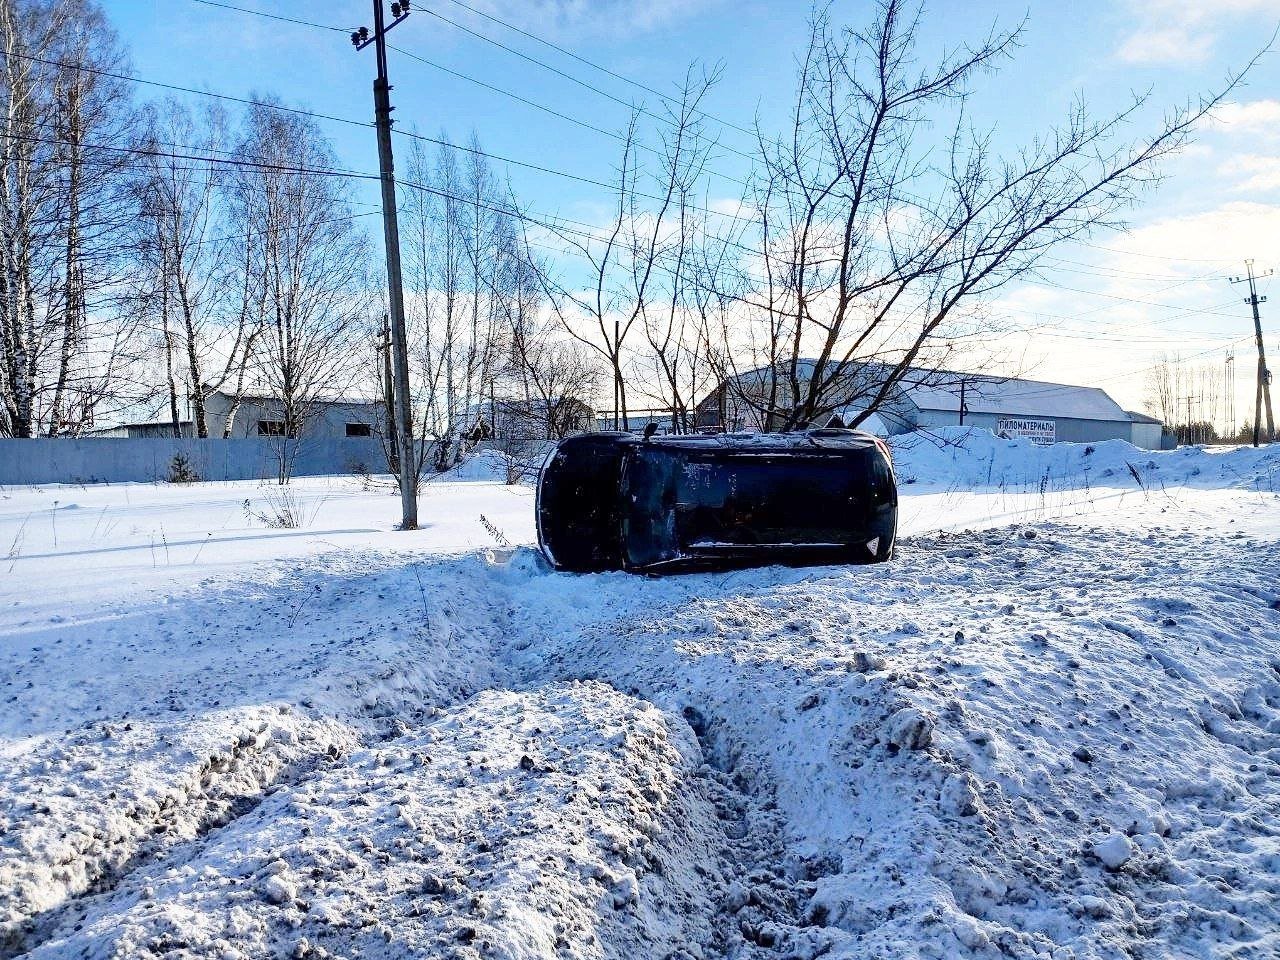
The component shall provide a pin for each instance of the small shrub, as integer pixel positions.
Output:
(282, 509)
(181, 470)
(497, 534)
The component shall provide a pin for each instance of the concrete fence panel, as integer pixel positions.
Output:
(145, 460)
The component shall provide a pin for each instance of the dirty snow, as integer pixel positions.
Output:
(1049, 728)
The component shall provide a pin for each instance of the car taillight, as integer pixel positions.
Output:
(884, 448)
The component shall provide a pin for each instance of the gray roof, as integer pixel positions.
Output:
(1016, 397)
(1137, 417)
(940, 390)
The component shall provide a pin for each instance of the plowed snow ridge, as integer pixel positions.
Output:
(1059, 738)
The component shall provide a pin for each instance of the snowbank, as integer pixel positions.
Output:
(490, 466)
(512, 825)
(1022, 742)
(970, 457)
(1053, 738)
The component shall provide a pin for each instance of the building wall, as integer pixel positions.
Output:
(329, 420)
(112, 460)
(1065, 428)
(1147, 435)
(151, 430)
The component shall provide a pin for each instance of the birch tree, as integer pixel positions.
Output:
(306, 263)
(193, 267)
(67, 350)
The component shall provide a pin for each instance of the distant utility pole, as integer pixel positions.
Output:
(391, 235)
(389, 396)
(1231, 392)
(1264, 375)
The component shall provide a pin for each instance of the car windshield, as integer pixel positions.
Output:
(686, 503)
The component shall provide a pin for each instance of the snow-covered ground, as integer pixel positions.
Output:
(1049, 728)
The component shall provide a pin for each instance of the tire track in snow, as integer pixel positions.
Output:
(922, 753)
(148, 791)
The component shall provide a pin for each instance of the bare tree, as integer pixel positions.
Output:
(434, 242)
(458, 226)
(306, 263)
(551, 378)
(1162, 397)
(872, 255)
(1188, 398)
(642, 246)
(195, 275)
(67, 348)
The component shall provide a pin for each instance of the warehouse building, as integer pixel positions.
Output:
(1007, 406)
(261, 416)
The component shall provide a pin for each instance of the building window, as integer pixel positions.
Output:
(271, 428)
(359, 430)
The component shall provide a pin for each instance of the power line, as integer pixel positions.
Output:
(568, 76)
(1104, 338)
(1212, 311)
(1129, 373)
(194, 90)
(1102, 270)
(1154, 256)
(596, 66)
(475, 151)
(571, 119)
(576, 121)
(330, 172)
(273, 16)
(558, 227)
(227, 161)
(613, 135)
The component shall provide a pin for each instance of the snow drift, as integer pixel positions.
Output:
(1056, 738)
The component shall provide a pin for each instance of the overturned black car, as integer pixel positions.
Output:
(614, 501)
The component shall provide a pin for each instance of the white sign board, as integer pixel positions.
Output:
(1043, 432)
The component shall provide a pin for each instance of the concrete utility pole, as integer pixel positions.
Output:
(1264, 375)
(391, 235)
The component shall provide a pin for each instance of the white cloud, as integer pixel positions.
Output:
(1180, 263)
(1257, 173)
(1173, 45)
(1258, 117)
(1230, 232)
(1183, 31)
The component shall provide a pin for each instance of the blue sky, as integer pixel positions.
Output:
(1221, 200)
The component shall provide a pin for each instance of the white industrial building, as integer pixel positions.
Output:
(1007, 406)
(260, 416)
